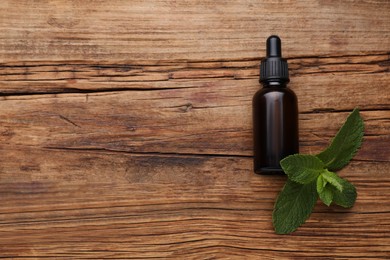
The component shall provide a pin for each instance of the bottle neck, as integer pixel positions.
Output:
(274, 84)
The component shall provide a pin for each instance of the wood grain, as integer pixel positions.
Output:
(125, 127)
(116, 205)
(200, 30)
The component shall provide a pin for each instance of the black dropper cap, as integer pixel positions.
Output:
(274, 68)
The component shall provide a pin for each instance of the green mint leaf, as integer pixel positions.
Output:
(293, 206)
(302, 168)
(347, 197)
(326, 195)
(321, 182)
(345, 144)
(333, 179)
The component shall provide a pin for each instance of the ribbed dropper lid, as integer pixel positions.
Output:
(274, 68)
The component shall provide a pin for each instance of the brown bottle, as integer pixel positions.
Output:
(275, 113)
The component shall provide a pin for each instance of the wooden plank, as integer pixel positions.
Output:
(90, 203)
(54, 77)
(190, 121)
(195, 30)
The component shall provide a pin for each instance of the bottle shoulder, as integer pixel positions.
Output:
(274, 92)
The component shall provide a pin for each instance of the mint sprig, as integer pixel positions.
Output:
(312, 176)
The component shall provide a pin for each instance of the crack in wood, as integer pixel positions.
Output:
(89, 91)
(107, 150)
(333, 110)
(68, 120)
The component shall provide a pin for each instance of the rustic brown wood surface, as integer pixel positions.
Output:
(125, 127)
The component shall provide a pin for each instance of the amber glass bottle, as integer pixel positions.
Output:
(275, 113)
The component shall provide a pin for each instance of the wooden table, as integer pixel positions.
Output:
(126, 127)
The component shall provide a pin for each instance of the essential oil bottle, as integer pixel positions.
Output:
(275, 113)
